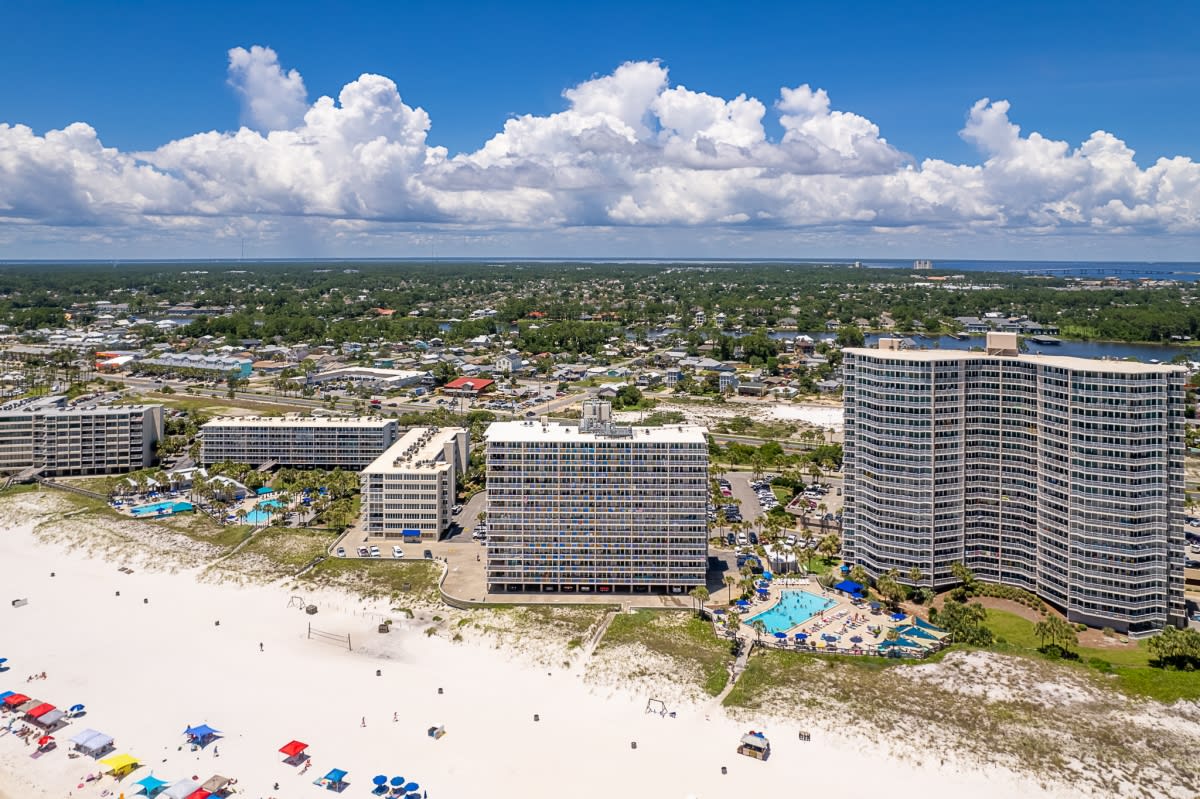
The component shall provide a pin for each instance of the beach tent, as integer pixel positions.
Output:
(92, 743)
(335, 779)
(293, 751)
(151, 785)
(120, 764)
(50, 718)
(215, 784)
(29, 705)
(6, 695)
(201, 733)
(199, 793)
(180, 790)
(40, 710)
(13, 700)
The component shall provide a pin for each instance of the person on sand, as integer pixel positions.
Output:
(395, 716)
(364, 722)
(260, 646)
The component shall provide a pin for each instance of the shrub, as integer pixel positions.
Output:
(1100, 664)
(1108, 632)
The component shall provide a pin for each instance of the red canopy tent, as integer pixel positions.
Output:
(15, 699)
(199, 793)
(45, 739)
(294, 748)
(40, 710)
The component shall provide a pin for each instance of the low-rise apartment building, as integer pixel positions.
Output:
(301, 441)
(408, 491)
(597, 507)
(56, 438)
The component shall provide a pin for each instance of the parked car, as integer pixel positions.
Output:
(341, 552)
(428, 555)
(375, 552)
(362, 552)
(397, 553)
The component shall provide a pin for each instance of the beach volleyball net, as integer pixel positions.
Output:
(338, 639)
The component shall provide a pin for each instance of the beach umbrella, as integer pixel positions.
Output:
(3, 661)
(379, 779)
(899, 616)
(768, 576)
(76, 709)
(45, 739)
(781, 635)
(742, 603)
(397, 782)
(801, 636)
(856, 639)
(412, 787)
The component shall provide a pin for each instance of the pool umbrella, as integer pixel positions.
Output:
(899, 616)
(768, 576)
(856, 639)
(379, 779)
(742, 603)
(3, 661)
(875, 606)
(412, 787)
(801, 636)
(397, 782)
(781, 635)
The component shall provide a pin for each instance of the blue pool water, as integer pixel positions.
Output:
(161, 508)
(261, 516)
(793, 607)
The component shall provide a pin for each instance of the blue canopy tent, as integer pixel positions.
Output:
(850, 587)
(6, 695)
(916, 632)
(899, 616)
(151, 784)
(335, 780)
(201, 734)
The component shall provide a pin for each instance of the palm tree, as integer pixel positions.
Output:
(729, 581)
(1057, 631)
(241, 515)
(759, 627)
(700, 595)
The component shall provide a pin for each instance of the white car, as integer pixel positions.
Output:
(375, 552)
(791, 540)
(397, 552)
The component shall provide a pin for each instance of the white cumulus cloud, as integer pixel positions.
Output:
(628, 150)
(271, 98)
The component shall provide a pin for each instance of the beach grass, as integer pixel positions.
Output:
(276, 552)
(1031, 713)
(680, 636)
(377, 578)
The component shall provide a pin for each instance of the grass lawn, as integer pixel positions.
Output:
(1131, 664)
(677, 635)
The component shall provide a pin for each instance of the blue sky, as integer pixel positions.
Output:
(144, 75)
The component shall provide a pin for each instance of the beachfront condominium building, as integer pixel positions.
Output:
(596, 507)
(1063, 476)
(52, 437)
(302, 441)
(408, 491)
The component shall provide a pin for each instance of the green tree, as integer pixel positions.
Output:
(1176, 649)
(759, 626)
(700, 595)
(1057, 631)
(850, 336)
(966, 623)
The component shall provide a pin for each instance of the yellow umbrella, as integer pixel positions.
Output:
(120, 764)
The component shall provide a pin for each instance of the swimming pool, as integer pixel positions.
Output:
(257, 516)
(794, 607)
(165, 508)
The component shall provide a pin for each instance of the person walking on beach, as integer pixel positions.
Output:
(395, 716)
(364, 722)
(260, 647)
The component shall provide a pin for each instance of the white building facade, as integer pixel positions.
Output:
(409, 490)
(58, 439)
(301, 441)
(1063, 476)
(596, 508)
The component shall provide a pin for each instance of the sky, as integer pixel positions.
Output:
(1063, 130)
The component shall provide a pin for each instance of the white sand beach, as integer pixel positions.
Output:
(147, 670)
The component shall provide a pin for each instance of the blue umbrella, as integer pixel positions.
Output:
(801, 636)
(397, 782)
(742, 603)
(76, 708)
(899, 616)
(412, 787)
(781, 635)
(3, 660)
(768, 576)
(856, 639)
(379, 779)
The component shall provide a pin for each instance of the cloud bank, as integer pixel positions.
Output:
(630, 151)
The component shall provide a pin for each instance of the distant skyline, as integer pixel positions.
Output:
(1064, 131)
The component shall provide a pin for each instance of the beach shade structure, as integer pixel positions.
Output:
(849, 587)
(899, 616)
(743, 603)
(781, 635)
(40, 710)
(856, 639)
(29, 705)
(380, 782)
(15, 700)
(120, 765)
(45, 739)
(6, 695)
(179, 790)
(768, 576)
(151, 785)
(924, 625)
(76, 710)
(50, 719)
(293, 751)
(335, 780)
(412, 787)
(201, 734)
(801, 636)
(3, 662)
(92, 743)
(397, 782)
(215, 784)
(199, 793)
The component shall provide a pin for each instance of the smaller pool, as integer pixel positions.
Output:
(258, 516)
(162, 508)
(794, 607)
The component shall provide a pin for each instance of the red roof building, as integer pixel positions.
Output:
(468, 386)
